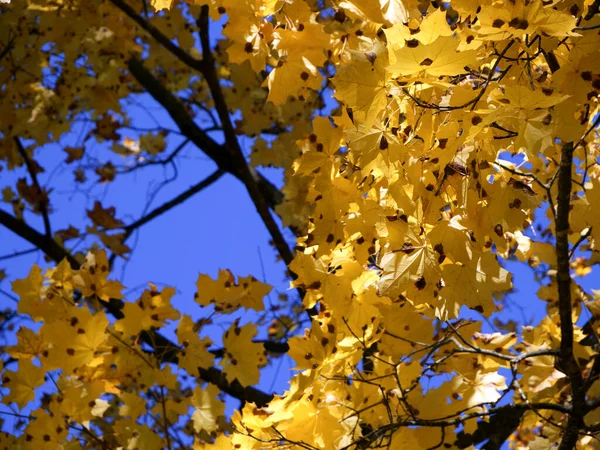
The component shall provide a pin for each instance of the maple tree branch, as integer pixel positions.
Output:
(158, 35)
(42, 200)
(246, 174)
(206, 66)
(568, 363)
(193, 132)
(212, 178)
(453, 420)
(45, 243)
(551, 60)
(270, 346)
(129, 229)
(19, 253)
(593, 9)
(8, 47)
(473, 102)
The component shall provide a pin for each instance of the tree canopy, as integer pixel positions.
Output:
(423, 145)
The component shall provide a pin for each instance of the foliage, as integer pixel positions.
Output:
(423, 144)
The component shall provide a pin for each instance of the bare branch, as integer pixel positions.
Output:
(19, 253)
(158, 35)
(567, 362)
(245, 173)
(43, 198)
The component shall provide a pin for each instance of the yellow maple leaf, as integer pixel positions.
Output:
(29, 345)
(91, 279)
(29, 290)
(292, 76)
(227, 295)
(76, 341)
(22, 383)
(413, 268)
(361, 84)
(207, 408)
(151, 310)
(435, 59)
(473, 284)
(195, 350)
(243, 358)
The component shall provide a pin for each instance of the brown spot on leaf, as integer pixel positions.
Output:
(371, 56)
(546, 120)
(314, 285)
(520, 186)
(407, 248)
(383, 143)
(426, 62)
(420, 283)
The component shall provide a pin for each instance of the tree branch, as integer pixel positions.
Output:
(567, 362)
(129, 229)
(177, 51)
(218, 153)
(245, 174)
(19, 253)
(43, 199)
(45, 243)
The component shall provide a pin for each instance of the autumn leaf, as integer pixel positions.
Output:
(243, 358)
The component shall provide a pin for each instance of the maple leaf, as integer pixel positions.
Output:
(482, 389)
(207, 408)
(22, 383)
(195, 350)
(150, 311)
(75, 342)
(293, 74)
(362, 84)
(104, 217)
(91, 279)
(413, 268)
(473, 284)
(227, 295)
(435, 59)
(243, 358)
(29, 290)
(29, 345)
